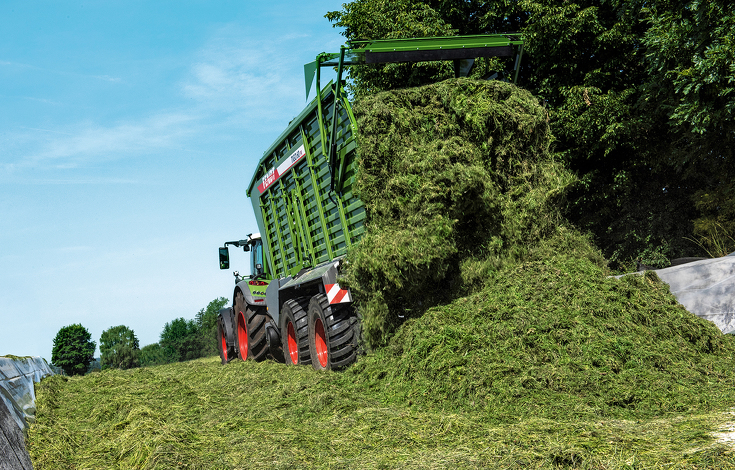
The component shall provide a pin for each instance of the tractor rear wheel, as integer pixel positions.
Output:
(241, 327)
(295, 333)
(334, 334)
(250, 332)
(257, 333)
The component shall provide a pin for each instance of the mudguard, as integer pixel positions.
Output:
(321, 279)
(254, 295)
(228, 321)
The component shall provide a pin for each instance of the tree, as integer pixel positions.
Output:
(206, 321)
(641, 96)
(73, 349)
(152, 355)
(181, 341)
(691, 86)
(119, 348)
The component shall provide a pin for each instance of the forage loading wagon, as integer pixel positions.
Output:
(292, 307)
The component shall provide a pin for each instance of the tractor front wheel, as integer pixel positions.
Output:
(221, 342)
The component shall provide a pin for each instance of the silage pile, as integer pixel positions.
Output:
(456, 178)
(485, 297)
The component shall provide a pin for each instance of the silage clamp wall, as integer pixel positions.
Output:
(17, 376)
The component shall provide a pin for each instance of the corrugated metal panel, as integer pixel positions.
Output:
(301, 222)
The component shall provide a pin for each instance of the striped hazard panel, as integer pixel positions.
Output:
(337, 295)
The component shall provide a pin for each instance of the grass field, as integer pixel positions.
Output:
(551, 364)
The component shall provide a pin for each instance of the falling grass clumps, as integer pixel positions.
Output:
(485, 297)
(456, 177)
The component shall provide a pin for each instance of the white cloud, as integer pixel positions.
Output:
(234, 73)
(263, 78)
(234, 82)
(81, 143)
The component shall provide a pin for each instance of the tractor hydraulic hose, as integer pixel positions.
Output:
(335, 118)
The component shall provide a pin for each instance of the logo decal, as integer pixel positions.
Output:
(275, 173)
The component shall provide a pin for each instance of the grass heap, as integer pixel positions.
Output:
(554, 337)
(462, 197)
(456, 177)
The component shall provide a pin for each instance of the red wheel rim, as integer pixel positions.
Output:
(293, 346)
(242, 336)
(321, 343)
(224, 346)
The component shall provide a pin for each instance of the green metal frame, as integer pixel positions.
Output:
(380, 51)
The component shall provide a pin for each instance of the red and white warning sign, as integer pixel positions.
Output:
(337, 295)
(275, 173)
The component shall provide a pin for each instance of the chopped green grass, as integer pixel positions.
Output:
(457, 179)
(554, 337)
(202, 415)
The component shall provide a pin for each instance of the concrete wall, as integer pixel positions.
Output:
(13, 453)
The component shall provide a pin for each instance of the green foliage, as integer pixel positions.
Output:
(152, 355)
(377, 19)
(640, 98)
(206, 321)
(453, 175)
(73, 349)
(94, 366)
(119, 348)
(181, 341)
(391, 20)
(691, 61)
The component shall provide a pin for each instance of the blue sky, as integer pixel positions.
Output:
(129, 131)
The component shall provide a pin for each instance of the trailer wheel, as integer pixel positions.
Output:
(221, 342)
(295, 333)
(334, 334)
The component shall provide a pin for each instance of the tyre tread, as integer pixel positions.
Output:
(343, 329)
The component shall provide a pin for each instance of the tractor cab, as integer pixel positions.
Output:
(256, 256)
(253, 244)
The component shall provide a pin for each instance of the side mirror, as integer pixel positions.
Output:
(224, 258)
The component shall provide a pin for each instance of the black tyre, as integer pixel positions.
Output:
(295, 333)
(334, 334)
(257, 334)
(250, 333)
(222, 342)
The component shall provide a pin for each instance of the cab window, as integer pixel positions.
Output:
(256, 258)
